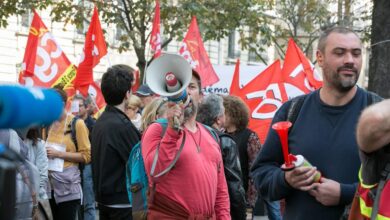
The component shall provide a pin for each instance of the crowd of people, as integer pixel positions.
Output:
(219, 169)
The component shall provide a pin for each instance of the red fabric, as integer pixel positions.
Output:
(155, 38)
(236, 86)
(163, 208)
(263, 95)
(44, 61)
(136, 85)
(193, 51)
(299, 71)
(197, 182)
(94, 49)
(274, 86)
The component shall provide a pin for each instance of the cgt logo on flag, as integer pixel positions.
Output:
(193, 51)
(270, 89)
(44, 60)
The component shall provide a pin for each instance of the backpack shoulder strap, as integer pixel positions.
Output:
(295, 108)
(372, 98)
(212, 132)
(164, 125)
(385, 177)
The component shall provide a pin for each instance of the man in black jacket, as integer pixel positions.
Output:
(212, 113)
(113, 137)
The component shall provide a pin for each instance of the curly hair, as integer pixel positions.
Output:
(237, 111)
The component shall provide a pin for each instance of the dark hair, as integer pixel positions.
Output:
(198, 80)
(33, 134)
(324, 35)
(237, 111)
(116, 82)
(62, 93)
(210, 109)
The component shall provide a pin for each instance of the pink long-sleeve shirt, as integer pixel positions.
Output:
(197, 181)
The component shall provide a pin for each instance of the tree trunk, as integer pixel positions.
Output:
(379, 77)
(339, 11)
(347, 13)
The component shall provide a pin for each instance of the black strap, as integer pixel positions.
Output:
(373, 98)
(73, 132)
(295, 108)
(213, 133)
(385, 177)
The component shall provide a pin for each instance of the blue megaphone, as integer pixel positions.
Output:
(21, 106)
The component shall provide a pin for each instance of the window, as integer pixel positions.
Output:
(231, 44)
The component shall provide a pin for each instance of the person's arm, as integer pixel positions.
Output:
(84, 153)
(41, 162)
(222, 204)
(233, 176)
(373, 129)
(168, 147)
(266, 173)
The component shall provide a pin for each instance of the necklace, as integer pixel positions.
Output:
(199, 138)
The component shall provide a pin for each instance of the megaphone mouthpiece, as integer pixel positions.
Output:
(173, 84)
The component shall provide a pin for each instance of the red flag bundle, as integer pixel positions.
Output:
(270, 89)
(193, 51)
(155, 38)
(94, 49)
(44, 61)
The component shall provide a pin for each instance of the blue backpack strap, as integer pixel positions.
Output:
(164, 124)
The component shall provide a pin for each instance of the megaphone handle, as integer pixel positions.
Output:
(176, 123)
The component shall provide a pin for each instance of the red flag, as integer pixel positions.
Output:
(44, 61)
(136, 84)
(94, 49)
(299, 71)
(264, 95)
(236, 86)
(193, 51)
(155, 38)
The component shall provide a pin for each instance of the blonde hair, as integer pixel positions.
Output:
(152, 111)
(134, 102)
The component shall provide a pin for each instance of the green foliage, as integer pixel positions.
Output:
(260, 23)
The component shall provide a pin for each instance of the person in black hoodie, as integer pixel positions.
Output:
(212, 113)
(113, 137)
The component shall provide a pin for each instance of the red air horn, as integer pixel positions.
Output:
(282, 129)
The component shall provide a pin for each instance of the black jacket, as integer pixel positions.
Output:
(113, 137)
(233, 176)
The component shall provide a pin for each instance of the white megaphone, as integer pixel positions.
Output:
(168, 76)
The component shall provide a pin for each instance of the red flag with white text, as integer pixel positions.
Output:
(264, 95)
(94, 49)
(193, 51)
(155, 38)
(44, 61)
(299, 71)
